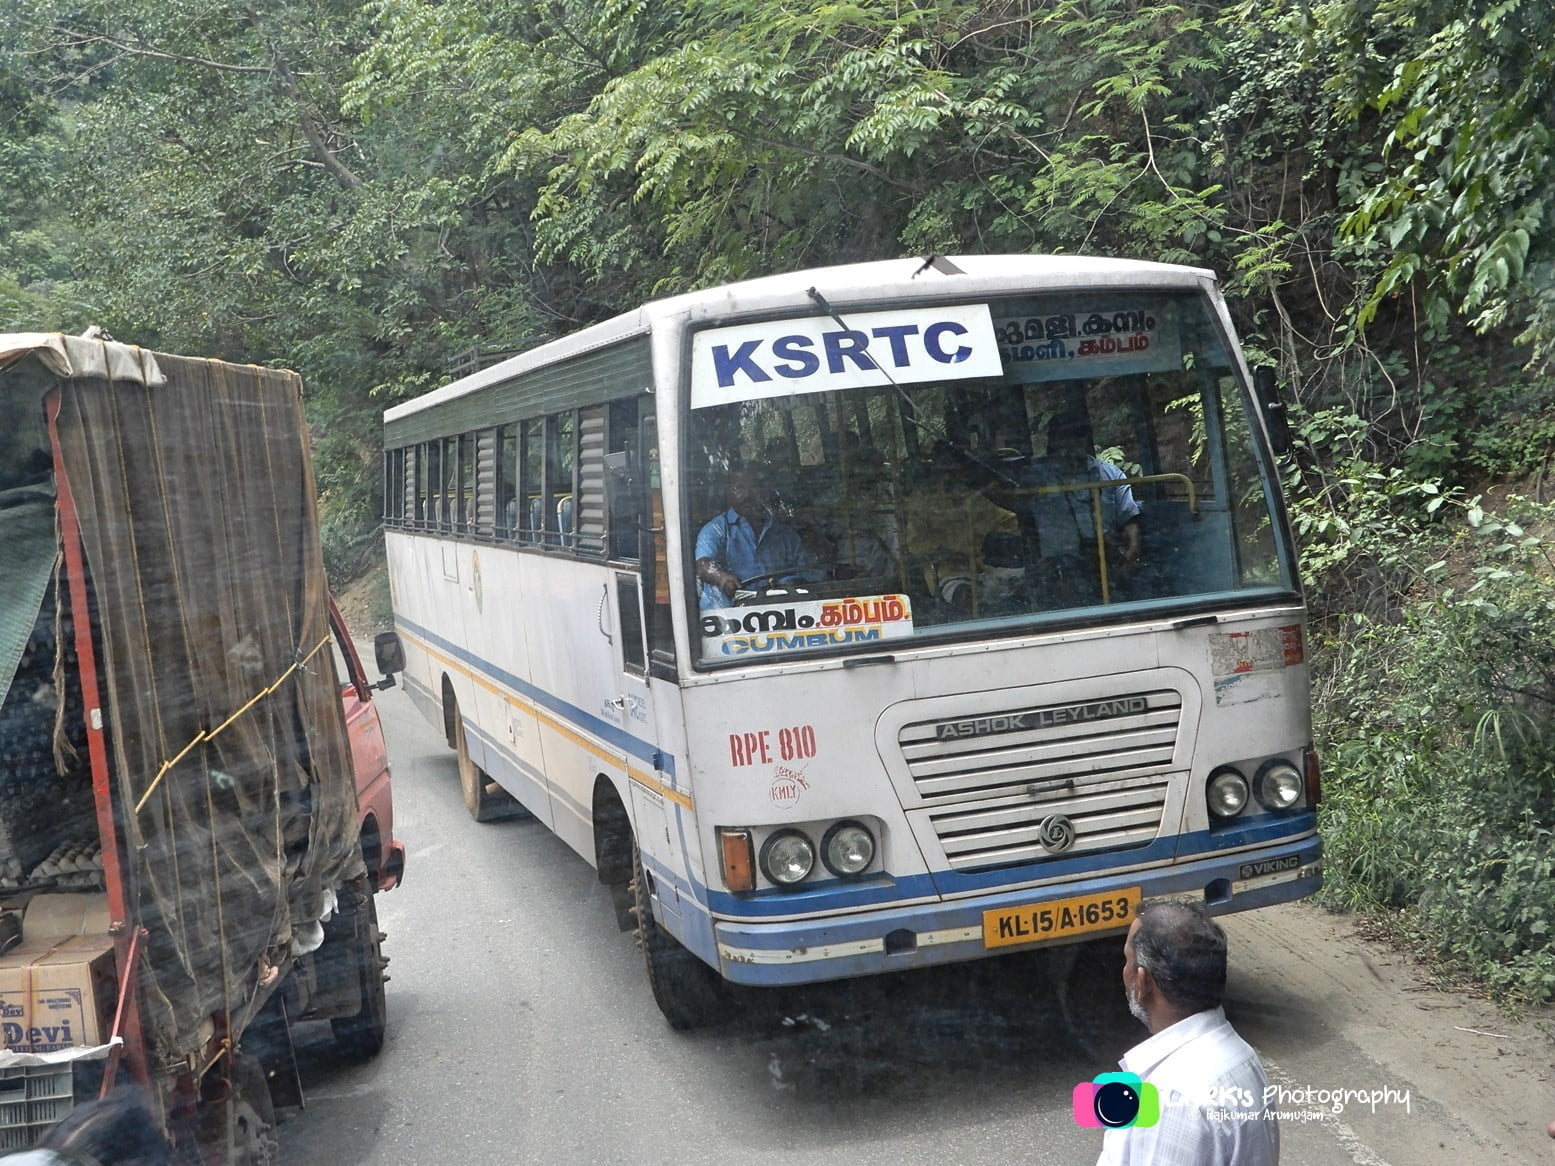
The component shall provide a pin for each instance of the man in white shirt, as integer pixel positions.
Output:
(1210, 1081)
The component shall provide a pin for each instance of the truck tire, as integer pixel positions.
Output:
(360, 1037)
(688, 992)
(253, 1115)
(485, 802)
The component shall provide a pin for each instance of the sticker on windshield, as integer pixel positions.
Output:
(806, 626)
(779, 358)
(1110, 341)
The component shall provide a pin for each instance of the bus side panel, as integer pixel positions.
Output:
(576, 676)
(506, 740)
(441, 590)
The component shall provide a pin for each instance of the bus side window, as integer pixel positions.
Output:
(431, 484)
(560, 465)
(584, 514)
(449, 492)
(532, 446)
(507, 481)
(464, 500)
(393, 487)
(634, 657)
(412, 469)
(623, 481)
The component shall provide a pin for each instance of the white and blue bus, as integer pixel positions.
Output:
(1040, 651)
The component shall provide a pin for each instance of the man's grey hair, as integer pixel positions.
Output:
(1184, 950)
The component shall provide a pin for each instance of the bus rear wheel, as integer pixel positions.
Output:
(688, 992)
(482, 797)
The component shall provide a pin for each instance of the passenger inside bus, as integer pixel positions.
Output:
(950, 526)
(747, 546)
(1057, 515)
(859, 524)
(785, 486)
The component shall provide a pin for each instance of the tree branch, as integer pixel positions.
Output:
(144, 50)
(343, 175)
(826, 156)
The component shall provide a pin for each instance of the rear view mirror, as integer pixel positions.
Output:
(389, 653)
(1266, 389)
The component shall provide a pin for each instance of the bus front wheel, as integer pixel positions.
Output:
(688, 992)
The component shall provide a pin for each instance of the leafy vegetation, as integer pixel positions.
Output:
(1438, 736)
(367, 190)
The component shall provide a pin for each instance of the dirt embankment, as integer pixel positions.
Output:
(365, 603)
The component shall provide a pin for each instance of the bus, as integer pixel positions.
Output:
(1039, 652)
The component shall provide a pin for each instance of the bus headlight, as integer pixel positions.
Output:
(1279, 785)
(787, 858)
(1227, 793)
(847, 849)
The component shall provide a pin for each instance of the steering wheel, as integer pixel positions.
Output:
(768, 579)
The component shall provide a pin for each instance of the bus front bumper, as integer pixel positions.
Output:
(892, 939)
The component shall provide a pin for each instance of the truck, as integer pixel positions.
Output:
(195, 804)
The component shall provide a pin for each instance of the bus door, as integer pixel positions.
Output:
(650, 785)
(636, 542)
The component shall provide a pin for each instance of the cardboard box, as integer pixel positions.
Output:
(54, 995)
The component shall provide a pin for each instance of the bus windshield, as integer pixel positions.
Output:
(1106, 470)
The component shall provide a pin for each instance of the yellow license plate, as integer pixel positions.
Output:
(1060, 919)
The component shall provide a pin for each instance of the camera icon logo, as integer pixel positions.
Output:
(1116, 1101)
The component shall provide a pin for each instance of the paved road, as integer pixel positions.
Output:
(523, 1031)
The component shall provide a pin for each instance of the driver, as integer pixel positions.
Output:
(747, 541)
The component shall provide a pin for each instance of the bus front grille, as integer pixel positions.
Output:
(1121, 815)
(991, 781)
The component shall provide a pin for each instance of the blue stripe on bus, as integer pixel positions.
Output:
(695, 932)
(644, 751)
(767, 936)
(809, 935)
(697, 901)
(422, 697)
(839, 894)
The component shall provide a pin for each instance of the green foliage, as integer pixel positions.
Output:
(1439, 749)
(1463, 199)
(788, 135)
(362, 189)
(1365, 529)
(1515, 435)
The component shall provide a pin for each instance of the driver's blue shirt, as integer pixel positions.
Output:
(733, 543)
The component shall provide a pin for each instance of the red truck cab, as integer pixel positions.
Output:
(383, 853)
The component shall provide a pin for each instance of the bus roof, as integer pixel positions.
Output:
(841, 285)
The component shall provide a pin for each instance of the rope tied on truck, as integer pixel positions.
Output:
(210, 734)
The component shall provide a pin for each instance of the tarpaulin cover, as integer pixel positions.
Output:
(196, 500)
(30, 547)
